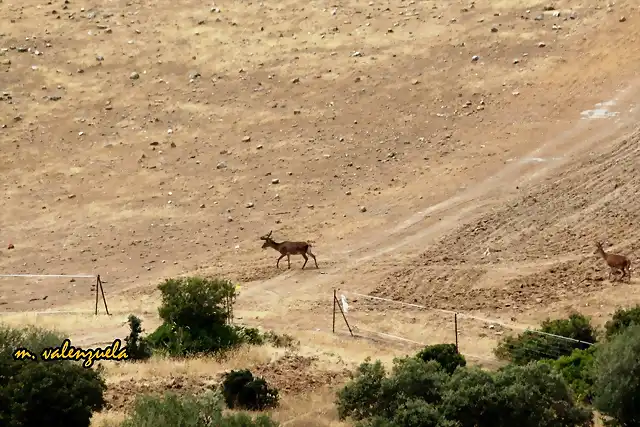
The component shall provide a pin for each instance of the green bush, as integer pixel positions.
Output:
(196, 312)
(137, 347)
(532, 346)
(578, 371)
(422, 394)
(172, 410)
(617, 383)
(34, 392)
(533, 395)
(621, 320)
(371, 393)
(445, 354)
(242, 390)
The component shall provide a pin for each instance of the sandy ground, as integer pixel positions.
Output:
(144, 140)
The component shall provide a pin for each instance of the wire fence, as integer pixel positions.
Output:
(377, 318)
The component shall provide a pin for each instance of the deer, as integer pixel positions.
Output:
(289, 248)
(615, 262)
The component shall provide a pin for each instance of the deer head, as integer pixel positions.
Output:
(267, 240)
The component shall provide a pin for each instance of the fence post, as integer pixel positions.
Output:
(334, 311)
(335, 301)
(455, 322)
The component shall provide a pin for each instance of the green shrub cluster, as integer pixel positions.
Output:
(242, 391)
(424, 394)
(532, 346)
(205, 410)
(54, 393)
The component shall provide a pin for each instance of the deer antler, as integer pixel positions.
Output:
(266, 236)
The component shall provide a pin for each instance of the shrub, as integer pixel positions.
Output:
(419, 394)
(172, 410)
(137, 347)
(617, 384)
(242, 390)
(57, 393)
(196, 312)
(371, 393)
(362, 397)
(621, 320)
(578, 371)
(533, 395)
(532, 346)
(445, 354)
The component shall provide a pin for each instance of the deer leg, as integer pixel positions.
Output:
(289, 260)
(305, 260)
(313, 256)
(278, 263)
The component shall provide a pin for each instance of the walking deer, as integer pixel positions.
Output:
(289, 248)
(615, 262)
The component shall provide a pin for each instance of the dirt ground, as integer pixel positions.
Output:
(462, 156)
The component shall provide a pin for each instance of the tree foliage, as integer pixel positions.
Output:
(621, 320)
(137, 346)
(423, 394)
(54, 393)
(445, 354)
(532, 345)
(617, 383)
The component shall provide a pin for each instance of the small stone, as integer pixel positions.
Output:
(229, 219)
(246, 139)
(494, 29)
(221, 165)
(71, 196)
(296, 80)
(10, 246)
(415, 82)
(363, 209)
(134, 76)
(259, 147)
(6, 62)
(542, 44)
(275, 181)
(249, 205)
(348, 193)
(99, 58)
(622, 19)
(202, 206)
(516, 61)
(475, 58)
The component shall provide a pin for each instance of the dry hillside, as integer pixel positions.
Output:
(461, 155)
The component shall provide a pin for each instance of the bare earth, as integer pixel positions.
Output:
(145, 140)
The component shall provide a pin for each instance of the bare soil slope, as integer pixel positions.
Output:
(433, 152)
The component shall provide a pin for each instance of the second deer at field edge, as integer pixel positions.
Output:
(289, 248)
(615, 262)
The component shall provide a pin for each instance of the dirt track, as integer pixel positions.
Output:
(147, 141)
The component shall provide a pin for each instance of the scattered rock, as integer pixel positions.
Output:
(10, 246)
(134, 75)
(363, 209)
(250, 205)
(246, 139)
(542, 44)
(475, 58)
(221, 165)
(494, 29)
(622, 19)
(275, 181)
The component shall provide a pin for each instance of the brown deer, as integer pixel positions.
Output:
(289, 248)
(615, 262)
